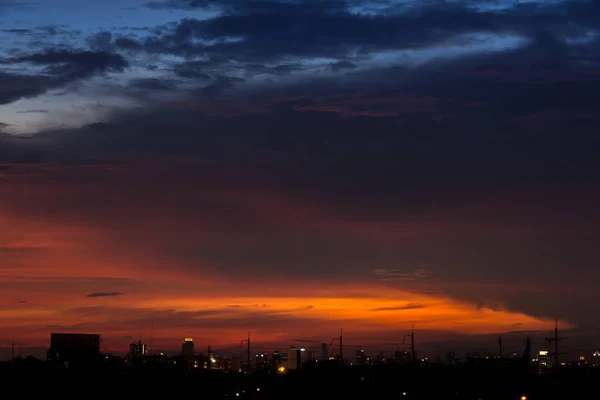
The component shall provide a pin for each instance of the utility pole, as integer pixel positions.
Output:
(341, 347)
(12, 356)
(151, 337)
(413, 356)
(412, 344)
(248, 351)
(341, 340)
(527, 352)
(500, 345)
(555, 339)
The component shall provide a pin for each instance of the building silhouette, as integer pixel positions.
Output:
(187, 348)
(294, 359)
(324, 351)
(74, 349)
(137, 349)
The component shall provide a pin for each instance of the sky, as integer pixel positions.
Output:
(209, 168)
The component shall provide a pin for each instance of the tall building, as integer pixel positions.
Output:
(544, 360)
(72, 349)
(294, 358)
(361, 357)
(310, 356)
(262, 362)
(324, 351)
(187, 347)
(137, 349)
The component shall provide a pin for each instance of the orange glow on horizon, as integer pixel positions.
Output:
(126, 273)
(226, 317)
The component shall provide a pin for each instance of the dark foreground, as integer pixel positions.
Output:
(399, 382)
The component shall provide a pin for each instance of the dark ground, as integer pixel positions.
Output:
(398, 382)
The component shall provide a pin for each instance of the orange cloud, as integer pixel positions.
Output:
(223, 312)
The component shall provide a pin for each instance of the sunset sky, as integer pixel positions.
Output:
(206, 168)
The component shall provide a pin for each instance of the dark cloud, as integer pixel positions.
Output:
(101, 41)
(180, 4)
(14, 87)
(255, 6)
(409, 306)
(270, 30)
(18, 31)
(33, 112)
(341, 65)
(191, 69)
(104, 294)
(259, 37)
(153, 84)
(70, 64)
(8, 4)
(62, 67)
(399, 275)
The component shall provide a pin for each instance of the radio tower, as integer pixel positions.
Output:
(555, 339)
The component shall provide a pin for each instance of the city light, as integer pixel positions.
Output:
(523, 397)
